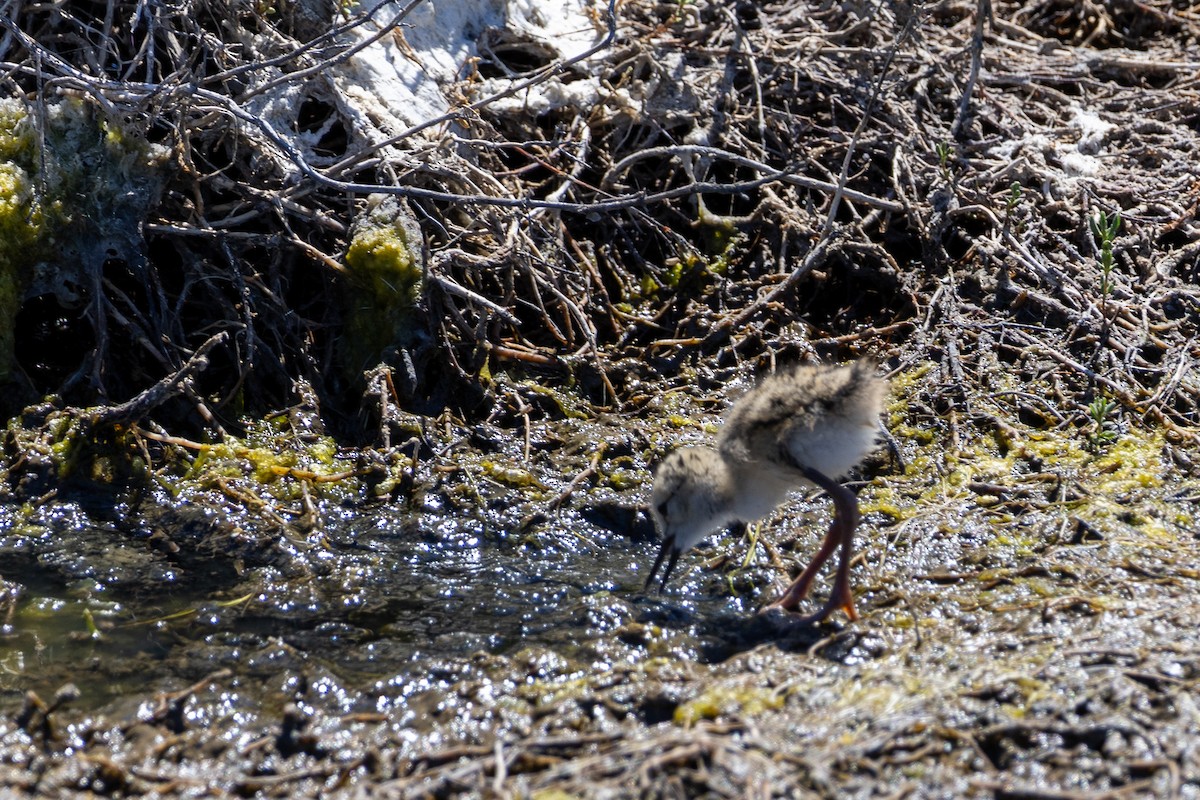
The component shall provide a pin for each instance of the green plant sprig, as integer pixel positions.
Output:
(1104, 428)
(1105, 229)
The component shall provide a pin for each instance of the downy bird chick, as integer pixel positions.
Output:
(804, 426)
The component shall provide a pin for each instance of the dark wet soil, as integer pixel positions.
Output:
(1023, 634)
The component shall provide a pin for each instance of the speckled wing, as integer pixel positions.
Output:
(820, 416)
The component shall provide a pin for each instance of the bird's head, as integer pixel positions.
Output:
(690, 500)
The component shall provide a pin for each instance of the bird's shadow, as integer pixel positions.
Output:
(724, 634)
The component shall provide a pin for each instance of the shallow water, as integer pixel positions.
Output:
(378, 595)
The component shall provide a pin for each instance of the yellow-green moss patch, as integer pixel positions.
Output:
(728, 701)
(385, 272)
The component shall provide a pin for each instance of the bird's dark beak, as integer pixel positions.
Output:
(668, 546)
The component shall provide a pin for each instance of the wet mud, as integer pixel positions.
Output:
(1027, 629)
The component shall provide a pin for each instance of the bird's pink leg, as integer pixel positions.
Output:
(841, 532)
(799, 588)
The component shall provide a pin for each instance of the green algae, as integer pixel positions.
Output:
(72, 184)
(691, 269)
(741, 702)
(1007, 455)
(1007, 494)
(567, 404)
(272, 461)
(385, 275)
(517, 477)
(623, 480)
(80, 453)
(22, 234)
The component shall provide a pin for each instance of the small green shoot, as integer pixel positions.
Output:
(943, 152)
(1105, 228)
(1104, 428)
(678, 13)
(1014, 195)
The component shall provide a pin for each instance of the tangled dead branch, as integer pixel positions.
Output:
(732, 184)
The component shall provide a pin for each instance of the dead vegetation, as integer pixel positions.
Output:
(914, 181)
(926, 183)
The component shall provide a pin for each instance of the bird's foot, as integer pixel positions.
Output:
(842, 599)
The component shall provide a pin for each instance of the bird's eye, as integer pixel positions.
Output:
(661, 508)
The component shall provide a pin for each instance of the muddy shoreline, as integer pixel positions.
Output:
(1019, 637)
(329, 436)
